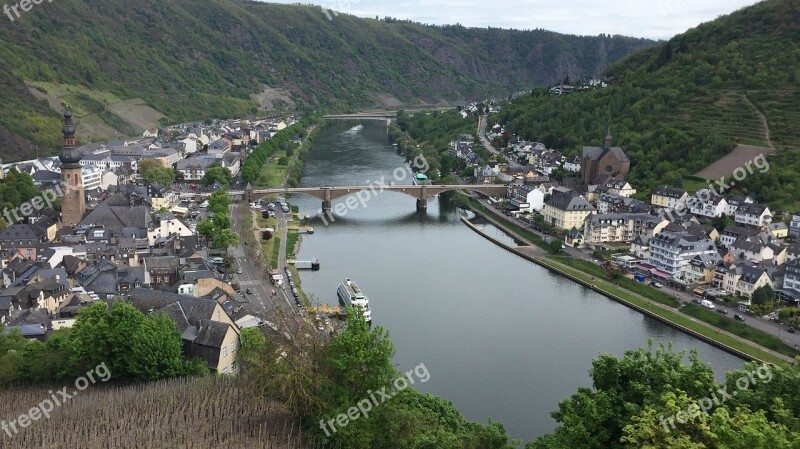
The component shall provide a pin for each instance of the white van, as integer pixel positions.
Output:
(708, 304)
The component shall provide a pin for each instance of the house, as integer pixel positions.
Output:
(529, 198)
(161, 272)
(752, 249)
(779, 230)
(620, 187)
(485, 175)
(790, 291)
(621, 228)
(707, 203)
(701, 268)
(671, 252)
(735, 202)
(150, 133)
(757, 215)
(574, 238)
(742, 279)
(669, 198)
(794, 226)
(573, 165)
(606, 160)
(166, 225)
(733, 232)
(208, 331)
(117, 213)
(567, 211)
(194, 169)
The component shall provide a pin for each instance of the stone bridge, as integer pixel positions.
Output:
(363, 193)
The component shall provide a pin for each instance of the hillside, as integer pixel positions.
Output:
(680, 106)
(124, 65)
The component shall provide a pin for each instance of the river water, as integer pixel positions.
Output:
(501, 337)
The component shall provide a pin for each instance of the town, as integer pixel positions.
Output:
(128, 228)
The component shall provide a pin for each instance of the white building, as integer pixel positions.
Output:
(621, 228)
(794, 226)
(706, 203)
(92, 177)
(167, 225)
(671, 252)
(756, 215)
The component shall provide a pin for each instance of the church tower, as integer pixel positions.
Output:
(73, 203)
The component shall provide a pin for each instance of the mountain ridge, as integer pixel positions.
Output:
(203, 59)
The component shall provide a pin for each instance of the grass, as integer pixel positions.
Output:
(291, 243)
(738, 328)
(276, 248)
(636, 287)
(272, 174)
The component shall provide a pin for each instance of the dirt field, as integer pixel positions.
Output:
(136, 112)
(735, 159)
(197, 413)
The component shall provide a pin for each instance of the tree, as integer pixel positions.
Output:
(217, 173)
(224, 238)
(763, 295)
(283, 161)
(161, 175)
(219, 202)
(156, 350)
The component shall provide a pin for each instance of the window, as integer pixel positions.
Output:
(225, 351)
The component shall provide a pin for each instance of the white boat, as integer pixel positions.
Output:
(350, 295)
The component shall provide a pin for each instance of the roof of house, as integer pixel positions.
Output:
(670, 192)
(570, 202)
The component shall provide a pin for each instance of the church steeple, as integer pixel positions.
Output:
(69, 155)
(607, 141)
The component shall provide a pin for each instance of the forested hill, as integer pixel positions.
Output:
(195, 59)
(679, 106)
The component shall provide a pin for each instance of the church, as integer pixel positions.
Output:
(603, 163)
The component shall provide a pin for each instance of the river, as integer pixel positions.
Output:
(501, 337)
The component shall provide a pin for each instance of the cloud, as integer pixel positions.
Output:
(656, 19)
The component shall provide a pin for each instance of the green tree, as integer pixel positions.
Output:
(219, 202)
(217, 173)
(156, 350)
(763, 295)
(224, 238)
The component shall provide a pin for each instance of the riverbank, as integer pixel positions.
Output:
(723, 340)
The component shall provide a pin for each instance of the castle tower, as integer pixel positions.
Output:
(73, 203)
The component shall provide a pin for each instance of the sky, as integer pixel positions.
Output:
(654, 19)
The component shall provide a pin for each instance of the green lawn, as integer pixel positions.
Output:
(291, 242)
(272, 174)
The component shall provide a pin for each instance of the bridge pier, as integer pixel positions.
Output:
(326, 207)
(422, 205)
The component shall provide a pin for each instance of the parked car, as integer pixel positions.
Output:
(790, 330)
(722, 311)
(249, 291)
(657, 284)
(239, 271)
(708, 304)
(738, 317)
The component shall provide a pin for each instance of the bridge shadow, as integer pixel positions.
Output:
(411, 218)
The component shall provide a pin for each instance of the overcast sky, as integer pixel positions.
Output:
(656, 19)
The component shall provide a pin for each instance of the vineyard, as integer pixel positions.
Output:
(210, 412)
